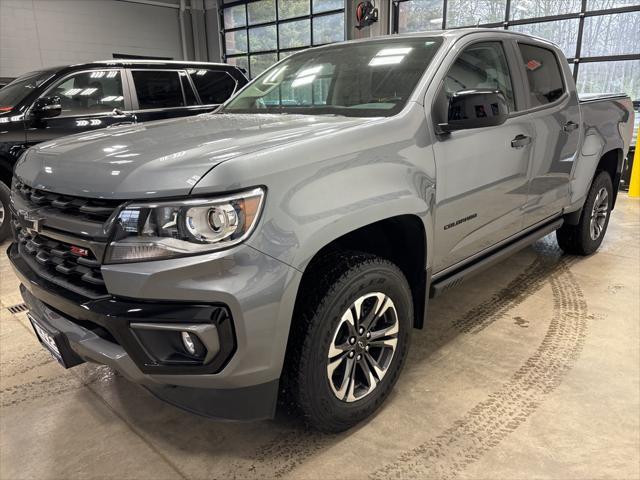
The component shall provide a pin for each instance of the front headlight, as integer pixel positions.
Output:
(154, 231)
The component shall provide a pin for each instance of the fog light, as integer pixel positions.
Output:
(188, 343)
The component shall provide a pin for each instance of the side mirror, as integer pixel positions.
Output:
(47, 107)
(475, 109)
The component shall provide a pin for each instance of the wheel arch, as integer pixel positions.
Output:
(401, 239)
(611, 162)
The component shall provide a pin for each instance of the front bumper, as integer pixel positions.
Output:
(241, 383)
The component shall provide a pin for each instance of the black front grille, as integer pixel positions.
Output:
(61, 264)
(89, 208)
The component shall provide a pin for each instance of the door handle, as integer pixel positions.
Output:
(570, 126)
(520, 141)
(117, 113)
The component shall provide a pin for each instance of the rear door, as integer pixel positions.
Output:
(90, 99)
(481, 184)
(159, 94)
(554, 112)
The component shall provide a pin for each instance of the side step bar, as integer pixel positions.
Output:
(439, 285)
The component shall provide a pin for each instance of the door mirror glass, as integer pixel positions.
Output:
(47, 107)
(475, 109)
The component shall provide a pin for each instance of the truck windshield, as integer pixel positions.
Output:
(366, 79)
(12, 93)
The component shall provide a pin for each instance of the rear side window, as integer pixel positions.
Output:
(544, 74)
(158, 88)
(213, 86)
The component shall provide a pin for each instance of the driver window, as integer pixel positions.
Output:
(87, 93)
(479, 66)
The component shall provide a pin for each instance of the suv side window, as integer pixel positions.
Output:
(544, 75)
(158, 88)
(480, 66)
(214, 86)
(97, 91)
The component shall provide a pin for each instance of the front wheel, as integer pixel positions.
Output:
(585, 237)
(4, 212)
(350, 340)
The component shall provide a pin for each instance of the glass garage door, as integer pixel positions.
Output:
(599, 37)
(258, 33)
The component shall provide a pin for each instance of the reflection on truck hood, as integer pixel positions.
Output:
(161, 159)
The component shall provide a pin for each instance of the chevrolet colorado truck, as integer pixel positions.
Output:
(280, 250)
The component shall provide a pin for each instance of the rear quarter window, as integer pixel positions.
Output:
(213, 86)
(544, 74)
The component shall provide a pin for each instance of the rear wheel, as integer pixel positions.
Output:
(349, 340)
(4, 212)
(585, 237)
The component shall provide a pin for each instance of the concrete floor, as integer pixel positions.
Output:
(533, 371)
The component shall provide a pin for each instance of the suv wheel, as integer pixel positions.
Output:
(4, 212)
(349, 340)
(585, 237)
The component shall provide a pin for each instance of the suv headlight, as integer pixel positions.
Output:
(161, 230)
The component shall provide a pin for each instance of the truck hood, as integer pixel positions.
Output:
(162, 159)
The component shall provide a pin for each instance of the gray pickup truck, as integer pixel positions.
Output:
(282, 248)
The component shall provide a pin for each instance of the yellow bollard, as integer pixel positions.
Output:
(634, 184)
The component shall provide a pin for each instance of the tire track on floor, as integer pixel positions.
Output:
(517, 291)
(38, 389)
(48, 387)
(281, 455)
(493, 419)
(25, 363)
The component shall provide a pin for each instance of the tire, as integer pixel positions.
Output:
(5, 219)
(585, 238)
(339, 282)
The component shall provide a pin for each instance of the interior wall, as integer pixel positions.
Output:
(44, 33)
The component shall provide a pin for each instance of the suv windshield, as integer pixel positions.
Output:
(12, 93)
(360, 79)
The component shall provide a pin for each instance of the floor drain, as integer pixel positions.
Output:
(18, 308)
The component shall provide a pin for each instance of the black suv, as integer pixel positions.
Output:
(51, 103)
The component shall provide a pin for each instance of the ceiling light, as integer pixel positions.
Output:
(387, 60)
(394, 51)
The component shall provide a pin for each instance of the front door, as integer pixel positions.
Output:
(481, 173)
(90, 100)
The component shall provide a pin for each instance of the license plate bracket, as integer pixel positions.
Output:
(55, 342)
